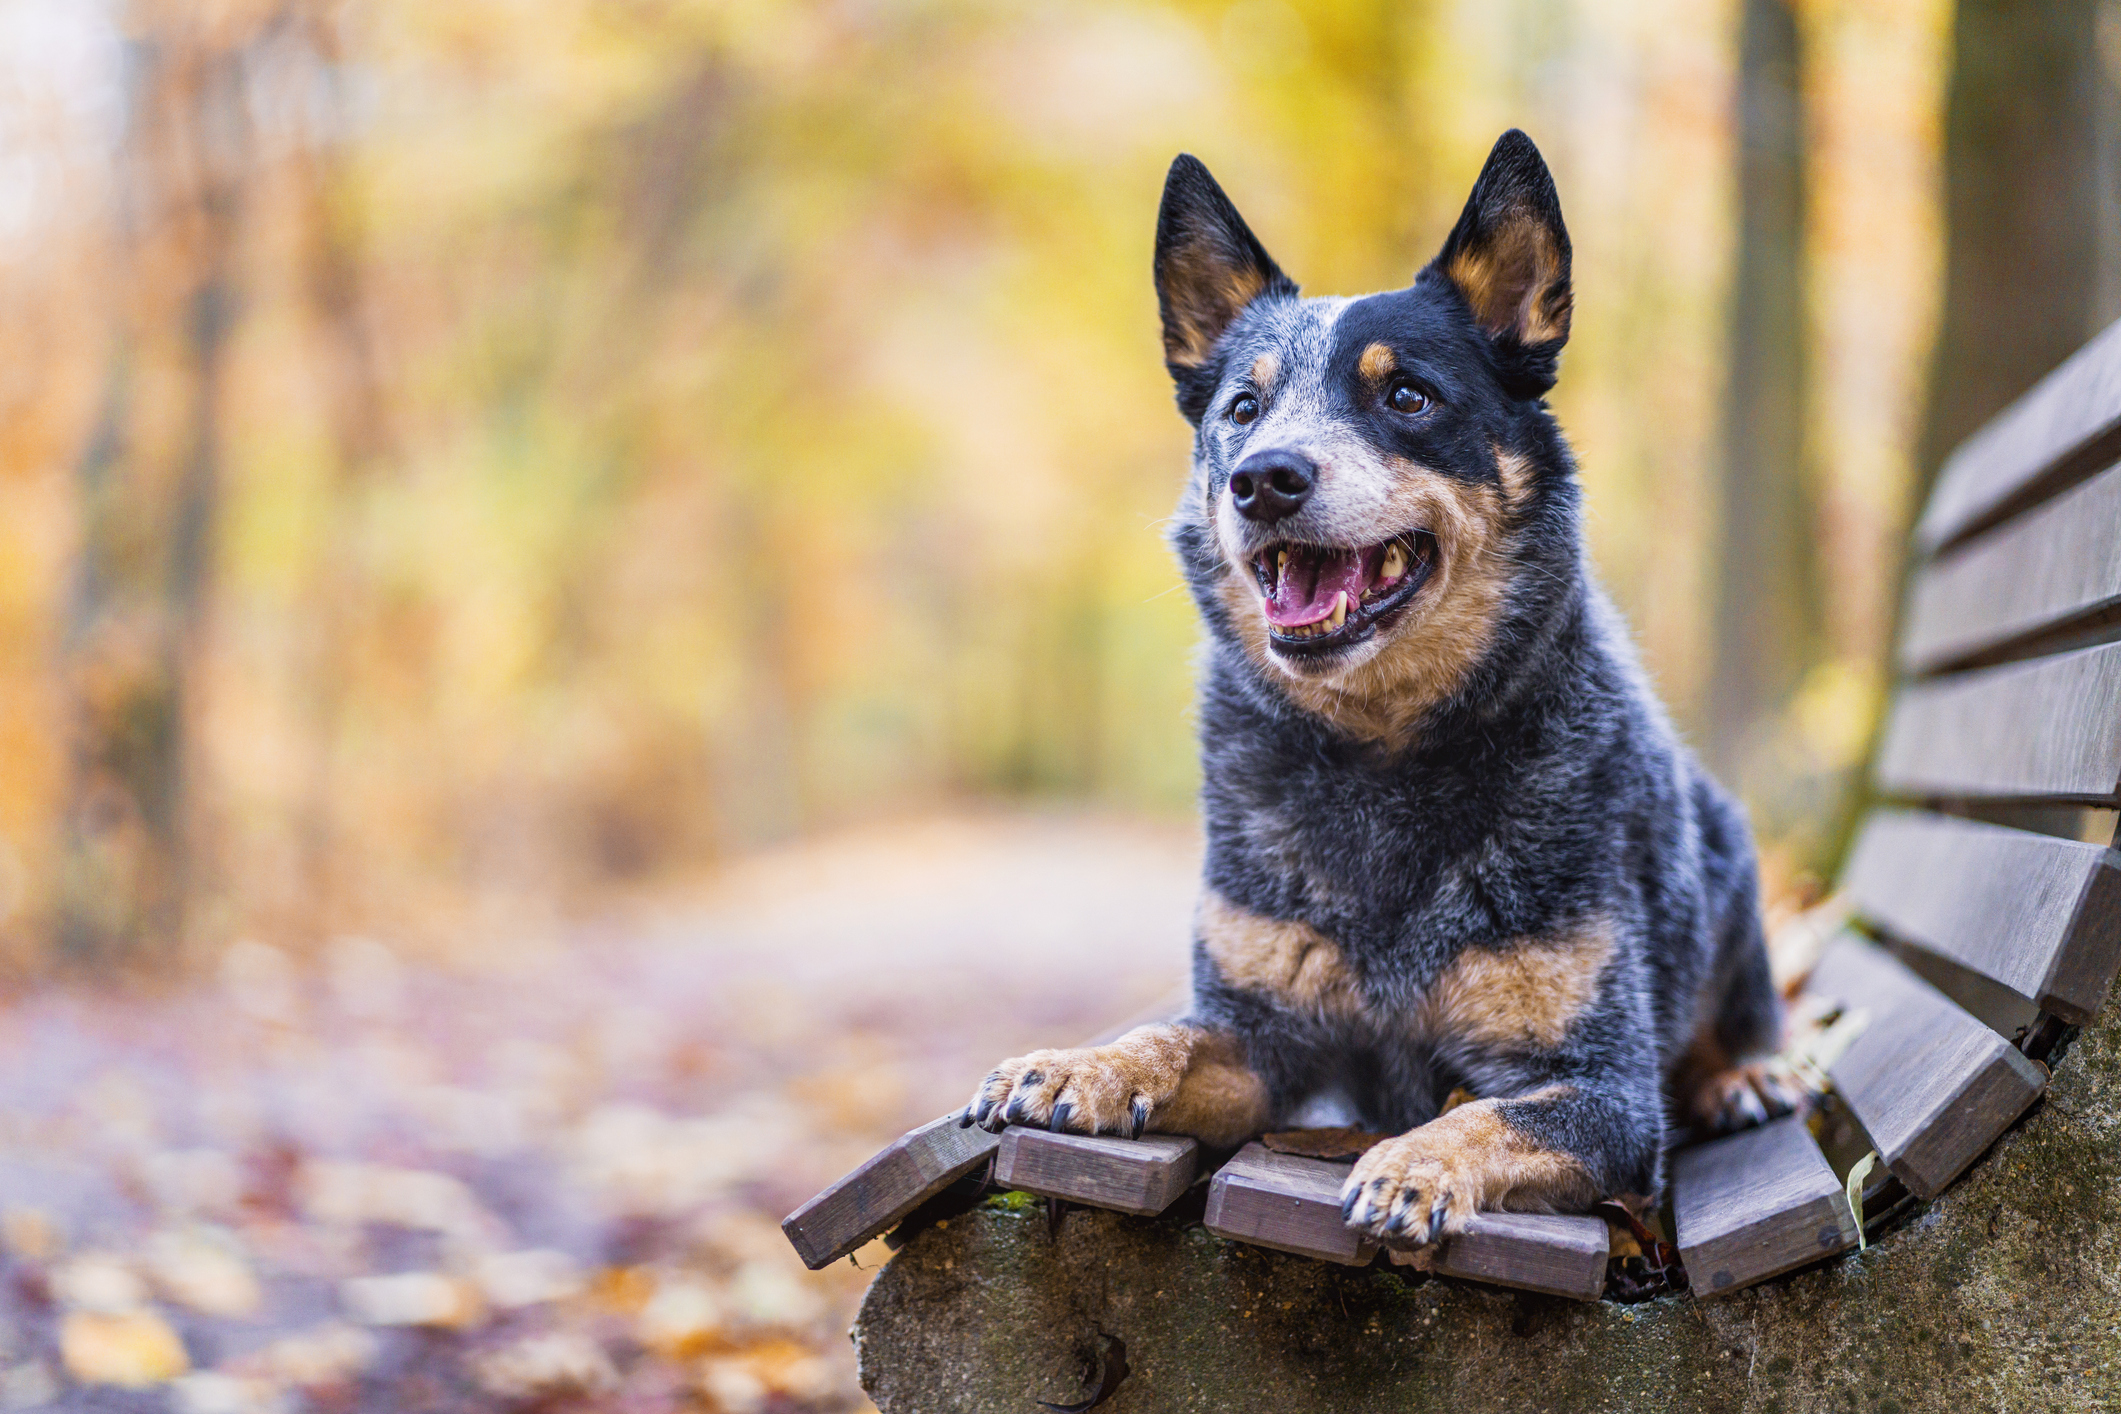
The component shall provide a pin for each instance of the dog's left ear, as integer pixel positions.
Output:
(1509, 256)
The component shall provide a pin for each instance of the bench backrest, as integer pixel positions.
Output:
(2011, 697)
(2006, 717)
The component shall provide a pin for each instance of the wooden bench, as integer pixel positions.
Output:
(1982, 923)
(2006, 723)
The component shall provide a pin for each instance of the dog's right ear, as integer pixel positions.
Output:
(1209, 266)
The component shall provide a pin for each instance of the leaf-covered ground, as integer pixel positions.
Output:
(548, 1173)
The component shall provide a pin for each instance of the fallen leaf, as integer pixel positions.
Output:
(1861, 1171)
(206, 1276)
(130, 1348)
(1341, 1143)
(546, 1366)
(410, 1299)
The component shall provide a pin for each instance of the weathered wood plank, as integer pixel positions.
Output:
(1142, 1176)
(2049, 729)
(2038, 915)
(1292, 1204)
(1756, 1204)
(1931, 1085)
(2066, 424)
(2057, 564)
(1286, 1202)
(1561, 1254)
(876, 1196)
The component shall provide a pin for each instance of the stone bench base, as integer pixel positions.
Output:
(2002, 1294)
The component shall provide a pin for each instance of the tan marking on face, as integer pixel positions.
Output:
(1377, 363)
(1470, 1160)
(1291, 962)
(1439, 636)
(1516, 474)
(1513, 283)
(1523, 998)
(1265, 369)
(1194, 1080)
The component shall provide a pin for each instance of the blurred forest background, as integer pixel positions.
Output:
(513, 448)
(599, 563)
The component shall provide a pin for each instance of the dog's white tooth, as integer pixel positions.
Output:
(1340, 611)
(1395, 563)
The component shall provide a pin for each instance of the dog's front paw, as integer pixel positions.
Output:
(1413, 1189)
(1746, 1095)
(1095, 1090)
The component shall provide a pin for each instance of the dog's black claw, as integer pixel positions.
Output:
(1347, 1205)
(1139, 1114)
(1062, 1113)
(964, 1118)
(1014, 1114)
(1437, 1213)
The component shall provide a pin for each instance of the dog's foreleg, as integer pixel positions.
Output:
(1526, 1153)
(1172, 1078)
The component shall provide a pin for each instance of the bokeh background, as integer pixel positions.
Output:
(571, 569)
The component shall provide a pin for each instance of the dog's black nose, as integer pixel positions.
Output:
(1270, 485)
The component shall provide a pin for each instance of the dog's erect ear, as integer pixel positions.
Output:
(1509, 256)
(1209, 266)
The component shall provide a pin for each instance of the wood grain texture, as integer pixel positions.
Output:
(1142, 1176)
(1287, 1202)
(1756, 1204)
(873, 1198)
(2068, 419)
(1931, 1085)
(2038, 915)
(2057, 564)
(2049, 729)
(1561, 1254)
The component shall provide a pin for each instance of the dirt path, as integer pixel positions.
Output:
(551, 1176)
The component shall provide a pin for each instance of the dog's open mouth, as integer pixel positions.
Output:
(1321, 596)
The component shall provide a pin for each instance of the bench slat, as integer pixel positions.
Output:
(2040, 916)
(2058, 564)
(1561, 1254)
(1932, 1086)
(2067, 419)
(2049, 729)
(894, 1181)
(1141, 1176)
(1757, 1204)
(1286, 1202)
(1292, 1204)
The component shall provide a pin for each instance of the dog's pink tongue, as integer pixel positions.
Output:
(1311, 583)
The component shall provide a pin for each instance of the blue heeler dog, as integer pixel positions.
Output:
(1452, 839)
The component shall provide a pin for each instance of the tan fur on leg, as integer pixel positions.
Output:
(1170, 1078)
(1429, 1181)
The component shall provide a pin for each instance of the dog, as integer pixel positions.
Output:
(1453, 840)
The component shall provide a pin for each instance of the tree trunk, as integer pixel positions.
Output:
(1767, 622)
(2032, 253)
(137, 617)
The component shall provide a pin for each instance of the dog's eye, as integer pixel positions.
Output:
(1405, 397)
(1244, 409)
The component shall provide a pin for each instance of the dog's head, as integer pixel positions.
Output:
(1364, 469)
